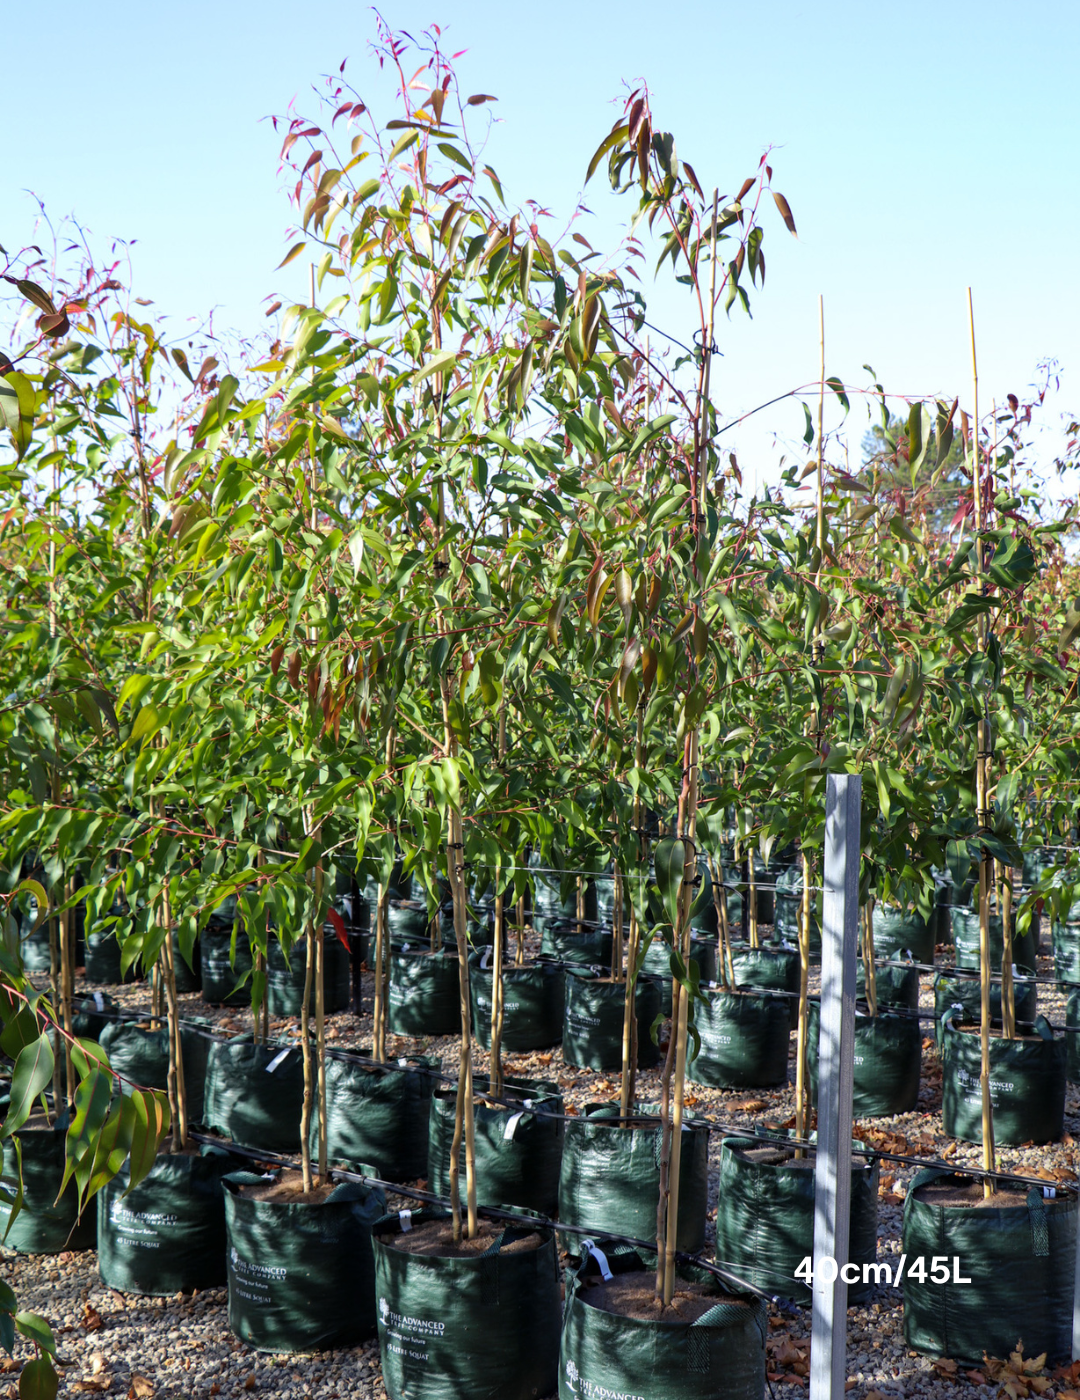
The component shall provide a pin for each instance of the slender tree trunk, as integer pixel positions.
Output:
(627, 1083)
(309, 1075)
(680, 1017)
(319, 931)
(380, 998)
(67, 984)
(1008, 991)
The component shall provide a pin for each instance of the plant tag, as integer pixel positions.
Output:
(1049, 1193)
(511, 1126)
(909, 955)
(601, 1259)
(485, 958)
(277, 1060)
(405, 947)
(99, 1001)
(403, 1062)
(405, 1220)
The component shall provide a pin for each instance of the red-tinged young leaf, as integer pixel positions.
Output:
(580, 238)
(312, 159)
(275, 306)
(293, 252)
(54, 325)
(339, 926)
(694, 179)
(479, 97)
(785, 210)
(744, 190)
(275, 659)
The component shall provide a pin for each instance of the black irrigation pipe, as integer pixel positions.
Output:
(534, 1222)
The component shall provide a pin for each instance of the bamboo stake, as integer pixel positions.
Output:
(982, 813)
(628, 1078)
(497, 955)
(804, 986)
(868, 956)
(67, 980)
(318, 930)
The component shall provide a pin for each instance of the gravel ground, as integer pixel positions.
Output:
(141, 1347)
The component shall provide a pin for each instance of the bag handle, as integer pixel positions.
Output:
(1040, 1234)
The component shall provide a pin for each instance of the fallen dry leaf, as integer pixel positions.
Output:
(749, 1106)
(945, 1366)
(90, 1385)
(975, 1377)
(141, 1387)
(92, 1319)
(97, 1362)
(249, 1383)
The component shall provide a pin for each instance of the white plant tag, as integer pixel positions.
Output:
(511, 1126)
(99, 1001)
(485, 959)
(403, 1062)
(276, 1060)
(1049, 1193)
(405, 1221)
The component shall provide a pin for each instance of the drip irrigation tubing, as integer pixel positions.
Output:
(509, 1216)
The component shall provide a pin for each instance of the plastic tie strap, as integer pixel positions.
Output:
(276, 1061)
(405, 1221)
(601, 1259)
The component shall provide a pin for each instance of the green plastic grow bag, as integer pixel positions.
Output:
(482, 1327)
(1065, 938)
(44, 1225)
(888, 1059)
(379, 1114)
(657, 964)
(604, 1354)
(425, 997)
(898, 932)
(142, 1058)
(897, 985)
(285, 977)
(254, 1093)
(963, 993)
(1018, 1258)
(168, 1234)
(533, 1002)
(225, 982)
(1027, 1085)
(765, 1217)
(744, 1041)
(567, 942)
(593, 1021)
(518, 1149)
(301, 1277)
(965, 934)
(1072, 1037)
(610, 1177)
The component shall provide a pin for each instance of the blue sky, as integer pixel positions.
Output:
(923, 147)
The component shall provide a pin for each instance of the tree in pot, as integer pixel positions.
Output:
(664, 1306)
